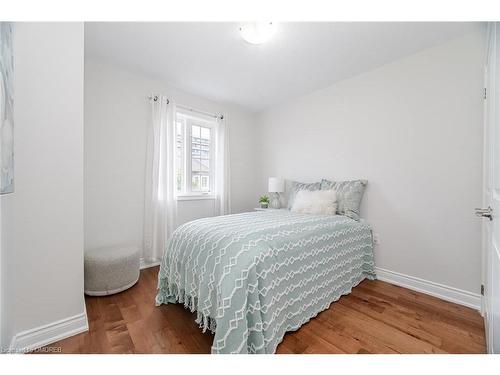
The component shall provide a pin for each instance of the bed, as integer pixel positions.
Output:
(254, 276)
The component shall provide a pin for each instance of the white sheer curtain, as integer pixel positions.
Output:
(222, 175)
(160, 206)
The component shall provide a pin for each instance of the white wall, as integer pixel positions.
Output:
(413, 128)
(42, 221)
(116, 120)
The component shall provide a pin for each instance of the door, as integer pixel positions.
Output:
(491, 192)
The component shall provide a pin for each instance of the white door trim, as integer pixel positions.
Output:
(491, 197)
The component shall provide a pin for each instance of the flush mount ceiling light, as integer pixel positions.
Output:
(257, 32)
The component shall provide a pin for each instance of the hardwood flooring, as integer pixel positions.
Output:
(376, 317)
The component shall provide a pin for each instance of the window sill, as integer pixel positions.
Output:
(196, 197)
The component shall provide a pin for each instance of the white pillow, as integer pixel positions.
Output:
(318, 202)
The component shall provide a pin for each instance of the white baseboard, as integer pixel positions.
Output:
(145, 264)
(35, 338)
(461, 297)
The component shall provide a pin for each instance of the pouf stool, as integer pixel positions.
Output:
(110, 270)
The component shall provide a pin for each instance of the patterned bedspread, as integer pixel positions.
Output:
(254, 276)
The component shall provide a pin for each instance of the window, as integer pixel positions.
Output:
(194, 154)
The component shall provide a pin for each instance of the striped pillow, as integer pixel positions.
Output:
(349, 195)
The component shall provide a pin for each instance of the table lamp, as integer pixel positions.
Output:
(276, 186)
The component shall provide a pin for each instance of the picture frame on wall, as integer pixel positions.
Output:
(6, 109)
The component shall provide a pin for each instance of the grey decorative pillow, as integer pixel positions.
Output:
(349, 195)
(293, 187)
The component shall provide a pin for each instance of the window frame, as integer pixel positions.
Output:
(189, 120)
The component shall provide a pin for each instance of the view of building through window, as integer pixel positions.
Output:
(194, 164)
(200, 158)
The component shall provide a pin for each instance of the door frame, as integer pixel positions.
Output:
(489, 113)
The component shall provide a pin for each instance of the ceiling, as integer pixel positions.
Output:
(211, 60)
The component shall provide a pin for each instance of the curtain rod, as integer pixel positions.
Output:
(155, 98)
(189, 109)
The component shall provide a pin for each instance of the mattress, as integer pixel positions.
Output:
(252, 277)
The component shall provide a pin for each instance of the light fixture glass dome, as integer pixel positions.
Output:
(257, 32)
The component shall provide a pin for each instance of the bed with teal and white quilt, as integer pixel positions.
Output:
(254, 276)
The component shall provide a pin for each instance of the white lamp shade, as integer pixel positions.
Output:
(276, 185)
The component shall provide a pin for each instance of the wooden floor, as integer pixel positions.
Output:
(376, 317)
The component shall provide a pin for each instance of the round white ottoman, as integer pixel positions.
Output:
(110, 270)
